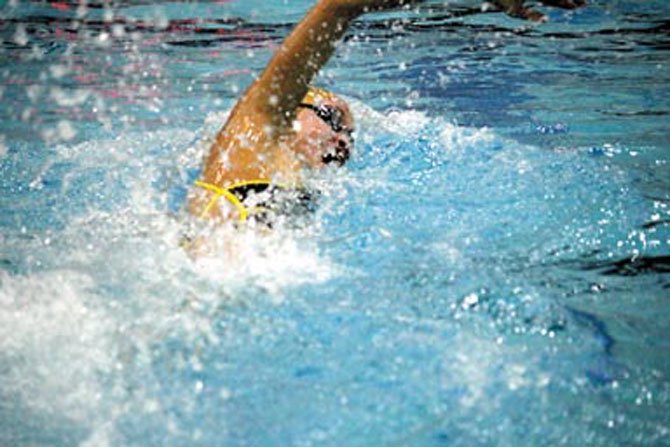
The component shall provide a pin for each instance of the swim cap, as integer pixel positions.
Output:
(316, 93)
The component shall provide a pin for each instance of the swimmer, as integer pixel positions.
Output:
(282, 127)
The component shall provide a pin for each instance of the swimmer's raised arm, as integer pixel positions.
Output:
(285, 81)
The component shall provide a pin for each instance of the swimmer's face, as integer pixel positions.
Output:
(324, 133)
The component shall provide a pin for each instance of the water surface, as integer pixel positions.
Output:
(491, 269)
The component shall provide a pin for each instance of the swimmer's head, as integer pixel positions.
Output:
(324, 129)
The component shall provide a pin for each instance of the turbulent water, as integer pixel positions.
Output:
(490, 269)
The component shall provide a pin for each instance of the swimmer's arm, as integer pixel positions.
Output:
(278, 92)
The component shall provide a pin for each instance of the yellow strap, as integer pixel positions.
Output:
(232, 198)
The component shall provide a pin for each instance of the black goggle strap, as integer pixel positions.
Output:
(328, 114)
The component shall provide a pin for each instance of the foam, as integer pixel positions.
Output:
(55, 343)
(455, 137)
(401, 122)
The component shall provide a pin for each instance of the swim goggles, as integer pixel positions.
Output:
(328, 114)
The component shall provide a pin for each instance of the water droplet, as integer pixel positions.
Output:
(225, 393)
(199, 386)
(470, 300)
(3, 146)
(20, 36)
(65, 130)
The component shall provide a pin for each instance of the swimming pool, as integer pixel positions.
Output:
(491, 268)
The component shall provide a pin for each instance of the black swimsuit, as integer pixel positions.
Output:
(262, 201)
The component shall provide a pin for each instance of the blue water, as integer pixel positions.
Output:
(490, 270)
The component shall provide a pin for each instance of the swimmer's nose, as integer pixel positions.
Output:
(343, 149)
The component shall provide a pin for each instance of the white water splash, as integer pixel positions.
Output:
(402, 122)
(76, 336)
(55, 343)
(455, 137)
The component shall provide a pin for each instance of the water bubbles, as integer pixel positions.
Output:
(172, 426)
(456, 137)
(411, 98)
(319, 435)
(516, 376)
(34, 92)
(597, 288)
(82, 10)
(195, 363)
(161, 20)
(552, 129)
(20, 35)
(100, 437)
(607, 149)
(151, 406)
(443, 79)
(66, 130)
(69, 97)
(103, 39)
(470, 301)
(118, 30)
(523, 166)
(199, 387)
(385, 233)
(108, 14)
(58, 70)
(225, 393)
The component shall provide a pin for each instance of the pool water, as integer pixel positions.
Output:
(491, 269)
